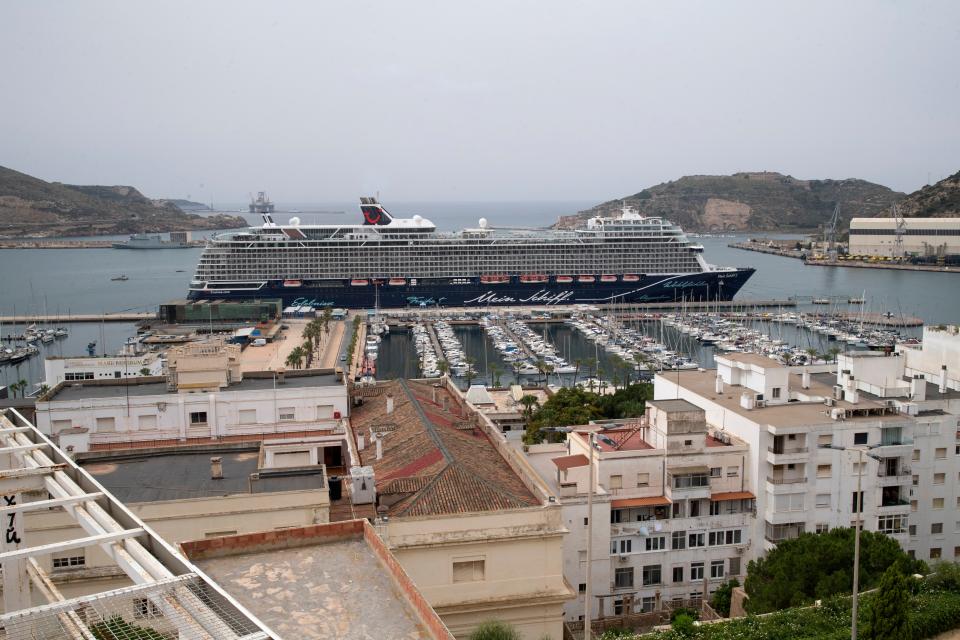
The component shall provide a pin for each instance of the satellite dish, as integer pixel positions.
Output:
(295, 221)
(483, 223)
(644, 531)
(417, 219)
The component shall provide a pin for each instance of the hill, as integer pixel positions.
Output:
(940, 200)
(187, 206)
(36, 208)
(764, 201)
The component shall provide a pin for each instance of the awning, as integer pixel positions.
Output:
(653, 501)
(568, 462)
(682, 471)
(732, 495)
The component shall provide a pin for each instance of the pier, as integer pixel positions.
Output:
(33, 243)
(435, 341)
(78, 317)
(766, 248)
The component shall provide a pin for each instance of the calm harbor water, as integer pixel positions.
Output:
(79, 280)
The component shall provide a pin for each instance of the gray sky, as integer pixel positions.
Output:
(552, 100)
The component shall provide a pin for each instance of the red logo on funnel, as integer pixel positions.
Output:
(372, 215)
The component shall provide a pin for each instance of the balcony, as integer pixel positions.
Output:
(888, 477)
(786, 484)
(893, 506)
(786, 455)
(775, 533)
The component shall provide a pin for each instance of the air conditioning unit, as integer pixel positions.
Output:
(830, 402)
(623, 558)
(761, 403)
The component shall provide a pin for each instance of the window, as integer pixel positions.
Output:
(916, 454)
(789, 502)
(647, 603)
(656, 543)
(696, 571)
(715, 508)
(938, 503)
(586, 521)
(623, 578)
(733, 472)
(582, 587)
(623, 545)
(940, 453)
(677, 509)
(734, 567)
(198, 417)
(651, 574)
(912, 530)
(716, 568)
(688, 443)
(694, 508)
(936, 528)
(715, 472)
(934, 553)
(824, 470)
(678, 574)
(891, 524)
(695, 540)
(75, 559)
(106, 424)
(822, 528)
(248, 416)
(143, 608)
(287, 414)
(855, 507)
(468, 570)
(616, 482)
(643, 479)
(823, 500)
(825, 440)
(956, 552)
(325, 412)
(913, 505)
(939, 478)
(916, 480)
(60, 425)
(860, 437)
(147, 422)
(776, 393)
(678, 540)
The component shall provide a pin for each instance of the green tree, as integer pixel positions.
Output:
(516, 365)
(834, 352)
(470, 373)
(683, 626)
(888, 616)
(495, 372)
(814, 566)
(720, 600)
(295, 357)
(577, 364)
(495, 630)
(443, 367)
(144, 371)
(528, 401)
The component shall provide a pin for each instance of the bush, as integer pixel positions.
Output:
(888, 617)
(683, 626)
(720, 601)
(693, 614)
(495, 630)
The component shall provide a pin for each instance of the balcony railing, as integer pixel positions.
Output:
(787, 451)
(895, 473)
(895, 442)
(895, 502)
(786, 480)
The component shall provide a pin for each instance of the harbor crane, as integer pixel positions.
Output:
(830, 233)
(900, 231)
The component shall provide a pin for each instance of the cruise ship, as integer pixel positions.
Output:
(398, 262)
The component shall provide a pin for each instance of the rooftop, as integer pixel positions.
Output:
(672, 406)
(334, 581)
(178, 475)
(792, 414)
(435, 459)
(753, 358)
(152, 386)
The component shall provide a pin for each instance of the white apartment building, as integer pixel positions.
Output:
(110, 412)
(88, 368)
(673, 511)
(805, 426)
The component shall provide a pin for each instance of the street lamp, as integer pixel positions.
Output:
(592, 444)
(860, 449)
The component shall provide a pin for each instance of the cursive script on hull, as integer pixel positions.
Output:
(540, 297)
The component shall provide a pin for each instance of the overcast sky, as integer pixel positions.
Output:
(429, 101)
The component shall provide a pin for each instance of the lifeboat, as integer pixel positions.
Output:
(359, 282)
(494, 279)
(533, 279)
(586, 279)
(608, 278)
(292, 283)
(397, 282)
(564, 279)
(631, 277)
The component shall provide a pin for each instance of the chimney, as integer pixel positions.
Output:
(918, 388)
(389, 403)
(853, 396)
(379, 448)
(747, 401)
(719, 385)
(216, 468)
(805, 379)
(281, 372)
(360, 441)
(943, 378)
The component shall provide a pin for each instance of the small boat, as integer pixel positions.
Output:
(821, 301)
(586, 279)
(855, 301)
(120, 278)
(608, 278)
(533, 279)
(631, 277)
(359, 282)
(494, 279)
(397, 282)
(60, 332)
(564, 279)
(292, 283)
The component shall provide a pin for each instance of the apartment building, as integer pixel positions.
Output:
(673, 508)
(816, 432)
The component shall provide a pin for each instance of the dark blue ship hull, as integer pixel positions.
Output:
(712, 285)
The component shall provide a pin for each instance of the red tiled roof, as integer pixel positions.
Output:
(732, 495)
(653, 501)
(568, 462)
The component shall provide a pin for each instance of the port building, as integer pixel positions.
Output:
(921, 237)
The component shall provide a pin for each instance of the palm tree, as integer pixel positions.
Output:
(495, 372)
(548, 369)
(295, 357)
(516, 365)
(577, 363)
(528, 402)
(541, 367)
(443, 367)
(811, 354)
(470, 373)
(834, 352)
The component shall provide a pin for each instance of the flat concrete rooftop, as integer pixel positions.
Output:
(124, 388)
(313, 588)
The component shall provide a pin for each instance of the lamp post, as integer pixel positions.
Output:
(588, 585)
